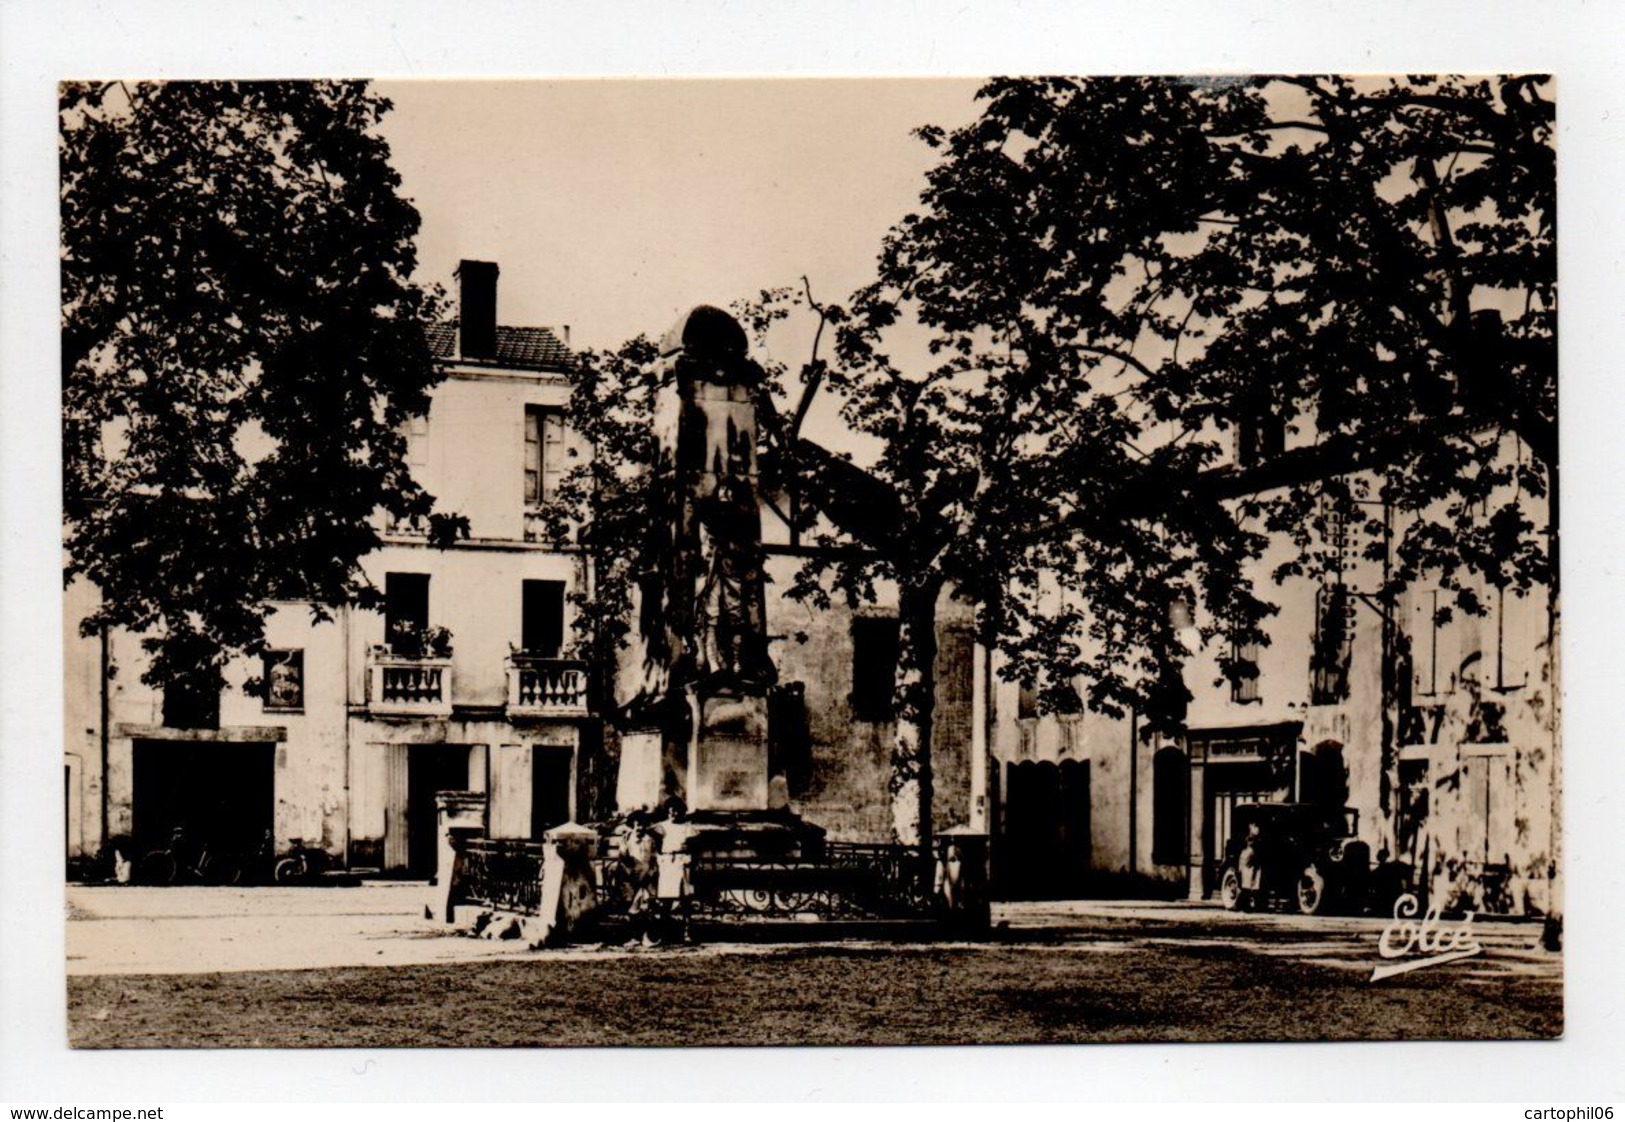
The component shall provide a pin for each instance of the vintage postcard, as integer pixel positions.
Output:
(836, 562)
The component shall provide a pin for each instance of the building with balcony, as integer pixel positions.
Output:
(457, 683)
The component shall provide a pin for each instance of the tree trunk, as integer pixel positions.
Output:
(915, 697)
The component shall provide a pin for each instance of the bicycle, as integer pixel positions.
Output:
(181, 861)
(303, 863)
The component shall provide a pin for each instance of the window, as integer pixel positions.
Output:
(1244, 672)
(1513, 613)
(544, 453)
(874, 667)
(1332, 646)
(1170, 802)
(542, 620)
(1055, 699)
(1424, 637)
(406, 609)
(193, 701)
(417, 440)
(284, 680)
(1410, 828)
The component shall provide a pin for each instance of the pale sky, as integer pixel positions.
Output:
(615, 205)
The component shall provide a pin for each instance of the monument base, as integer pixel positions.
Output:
(727, 760)
(765, 835)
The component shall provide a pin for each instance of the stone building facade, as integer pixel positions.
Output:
(457, 683)
(1462, 784)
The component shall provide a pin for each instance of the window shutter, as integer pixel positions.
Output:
(552, 459)
(533, 456)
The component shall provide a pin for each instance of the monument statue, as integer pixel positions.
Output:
(693, 694)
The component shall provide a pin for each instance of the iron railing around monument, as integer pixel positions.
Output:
(848, 880)
(504, 875)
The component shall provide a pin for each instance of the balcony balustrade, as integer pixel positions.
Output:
(546, 687)
(409, 687)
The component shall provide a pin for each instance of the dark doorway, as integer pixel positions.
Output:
(549, 789)
(1076, 845)
(1410, 833)
(543, 617)
(1046, 846)
(1226, 786)
(429, 768)
(406, 605)
(221, 793)
(1170, 807)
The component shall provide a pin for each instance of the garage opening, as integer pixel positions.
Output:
(221, 793)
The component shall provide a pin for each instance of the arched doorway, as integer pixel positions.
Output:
(1170, 807)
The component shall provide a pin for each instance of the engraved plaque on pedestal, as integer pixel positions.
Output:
(728, 764)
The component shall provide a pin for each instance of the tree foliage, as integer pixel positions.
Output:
(241, 345)
(602, 503)
(1370, 263)
(1116, 278)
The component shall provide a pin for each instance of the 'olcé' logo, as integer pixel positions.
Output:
(1438, 942)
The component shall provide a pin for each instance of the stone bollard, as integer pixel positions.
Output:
(460, 815)
(962, 877)
(568, 896)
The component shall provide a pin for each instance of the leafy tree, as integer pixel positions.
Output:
(602, 508)
(1116, 276)
(1016, 481)
(241, 344)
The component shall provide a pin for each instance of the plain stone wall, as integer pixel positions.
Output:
(848, 791)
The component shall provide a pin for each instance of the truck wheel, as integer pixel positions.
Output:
(1230, 893)
(289, 870)
(1312, 891)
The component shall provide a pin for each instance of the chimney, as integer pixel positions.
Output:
(477, 308)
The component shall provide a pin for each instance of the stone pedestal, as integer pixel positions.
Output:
(962, 876)
(568, 899)
(459, 814)
(727, 761)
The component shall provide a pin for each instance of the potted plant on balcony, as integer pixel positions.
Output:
(415, 642)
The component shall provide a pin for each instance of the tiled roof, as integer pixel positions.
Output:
(521, 348)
